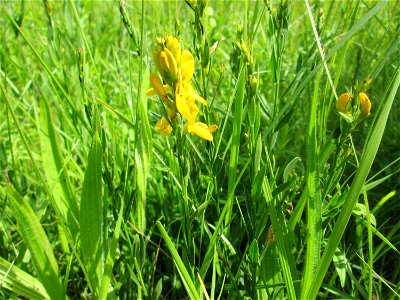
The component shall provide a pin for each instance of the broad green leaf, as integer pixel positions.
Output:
(38, 244)
(340, 262)
(91, 217)
(314, 205)
(20, 282)
(55, 172)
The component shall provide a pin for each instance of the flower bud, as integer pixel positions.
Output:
(164, 127)
(365, 104)
(341, 103)
(172, 65)
(157, 86)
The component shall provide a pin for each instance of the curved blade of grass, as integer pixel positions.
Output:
(105, 282)
(235, 145)
(314, 205)
(187, 281)
(53, 165)
(20, 282)
(90, 218)
(38, 244)
(142, 153)
(367, 159)
(286, 258)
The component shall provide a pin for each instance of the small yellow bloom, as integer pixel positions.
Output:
(187, 65)
(163, 126)
(341, 103)
(156, 59)
(173, 45)
(157, 85)
(189, 91)
(160, 90)
(365, 104)
(202, 130)
(172, 65)
(163, 61)
(182, 107)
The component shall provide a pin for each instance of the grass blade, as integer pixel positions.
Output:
(20, 282)
(142, 154)
(235, 146)
(285, 255)
(187, 281)
(53, 165)
(38, 244)
(90, 218)
(314, 205)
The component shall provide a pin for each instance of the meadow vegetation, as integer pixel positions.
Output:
(199, 149)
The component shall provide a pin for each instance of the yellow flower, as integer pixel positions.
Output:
(173, 45)
(185, 99)
(187, 65)
(202, 130)
(365, 104)
(163, 126)
(176, 68)
(167, 57)
(159, 89)
(341, 103)
(189, 91)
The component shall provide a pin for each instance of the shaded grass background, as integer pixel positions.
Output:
(238, 265)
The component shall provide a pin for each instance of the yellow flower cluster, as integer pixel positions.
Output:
(176, 68)
(342, 104)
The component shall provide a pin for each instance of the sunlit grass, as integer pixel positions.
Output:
(267, 186)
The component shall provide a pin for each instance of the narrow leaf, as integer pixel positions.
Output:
(186, 279)
(90, 218)
(53, 166)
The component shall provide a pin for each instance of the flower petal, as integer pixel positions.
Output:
(157, 85)
(365, 104)
(151, 92)
(341, 102)
(188, 90)
(199, 98)
(174, 46)
(201, 130)
(212, 128)
(163, 126)
(182, 107)
(187, 65)
(172, 66)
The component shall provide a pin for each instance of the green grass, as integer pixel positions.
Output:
(289, 200)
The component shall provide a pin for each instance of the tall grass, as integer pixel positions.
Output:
(291, 199)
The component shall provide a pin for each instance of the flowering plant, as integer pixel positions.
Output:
(176, 68)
